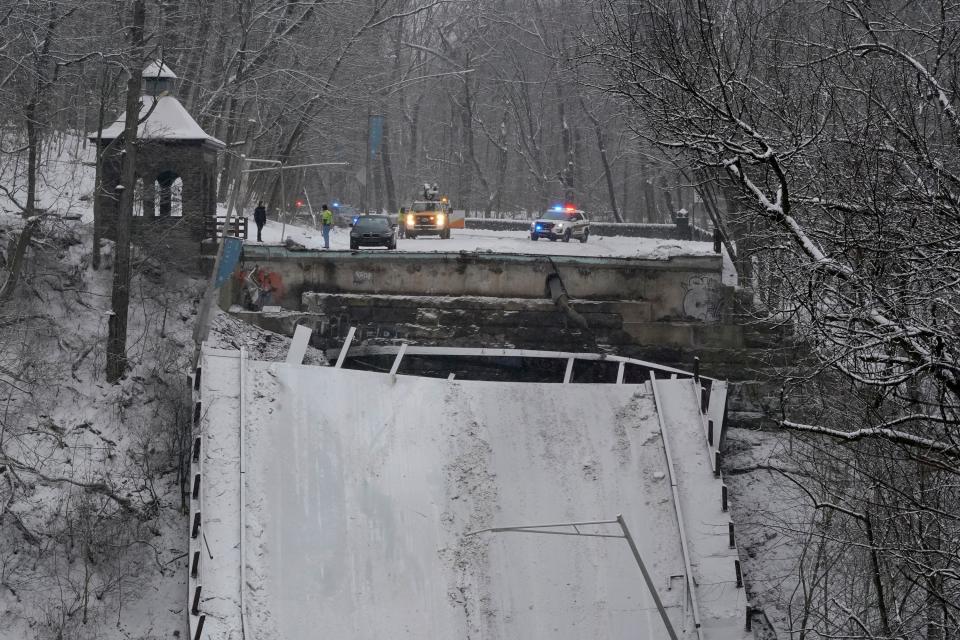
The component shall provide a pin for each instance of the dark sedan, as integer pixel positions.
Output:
(373, 231)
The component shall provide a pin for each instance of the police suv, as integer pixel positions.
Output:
(561, 223)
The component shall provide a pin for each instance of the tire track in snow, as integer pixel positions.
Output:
(473, 496)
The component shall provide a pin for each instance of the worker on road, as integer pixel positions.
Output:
(326, 220)
(402, 222)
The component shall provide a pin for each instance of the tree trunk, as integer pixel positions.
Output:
(607, 172)
(392, 205)
(193, 74)
(567, 172)
(16, 264)
(117, 325)
(414, 151)
(33, 152)
(98, 194)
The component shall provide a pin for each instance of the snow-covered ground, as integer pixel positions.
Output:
(495, 241)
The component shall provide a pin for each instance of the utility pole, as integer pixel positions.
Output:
(367, 167)
(202, 327)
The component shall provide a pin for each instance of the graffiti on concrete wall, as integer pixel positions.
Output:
(703, 298)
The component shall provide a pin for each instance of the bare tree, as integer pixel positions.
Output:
(838, 137)
(117, 337)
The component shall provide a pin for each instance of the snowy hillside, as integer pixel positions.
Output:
(92, 532)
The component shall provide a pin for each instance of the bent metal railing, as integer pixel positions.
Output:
(349, 351)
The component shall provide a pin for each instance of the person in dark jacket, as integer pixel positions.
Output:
(260, 217)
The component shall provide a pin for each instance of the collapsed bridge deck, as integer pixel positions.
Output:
(355, 492)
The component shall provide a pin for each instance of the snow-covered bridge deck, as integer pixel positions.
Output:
(359, 489)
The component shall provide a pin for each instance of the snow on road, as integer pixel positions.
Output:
(496, 242)
(361, 488)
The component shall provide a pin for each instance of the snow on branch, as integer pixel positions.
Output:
(879, 432)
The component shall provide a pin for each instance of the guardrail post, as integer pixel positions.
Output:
(196, 525)
(748, 626)
(716, 464)
(717, 237)
(195, 564)
(696, 368)
(196, 412)
(710, 432)
(200, 622)
(196, 379)
(195, 609)
(196, 486)
(730, 535)
(196, 449)
(704, 399)
(724, 506)
(736, 567)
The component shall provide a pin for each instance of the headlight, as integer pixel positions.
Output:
(533, 226)
(411, 221)
(440, 219)
(559, 227)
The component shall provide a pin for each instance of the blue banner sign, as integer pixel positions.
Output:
(231, 256)
(376, 134)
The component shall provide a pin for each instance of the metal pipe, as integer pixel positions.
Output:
(688, 567)
(283, 206)
(540, 528)
(243, 512)
(646, 578)
(558, 294)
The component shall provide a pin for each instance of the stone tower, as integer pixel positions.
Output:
(176, 174)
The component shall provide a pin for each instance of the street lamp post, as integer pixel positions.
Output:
(548, 529)
(281, 167)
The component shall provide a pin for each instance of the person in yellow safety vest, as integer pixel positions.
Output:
(326, 219)
(402, 222)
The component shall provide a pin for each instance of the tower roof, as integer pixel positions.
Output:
(158, 69)
(168, 120)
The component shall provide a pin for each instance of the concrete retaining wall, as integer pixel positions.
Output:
(679, 288)
(627, 229)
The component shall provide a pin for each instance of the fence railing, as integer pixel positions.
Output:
(213, 227)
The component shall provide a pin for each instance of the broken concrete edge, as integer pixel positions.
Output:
(276, 252)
